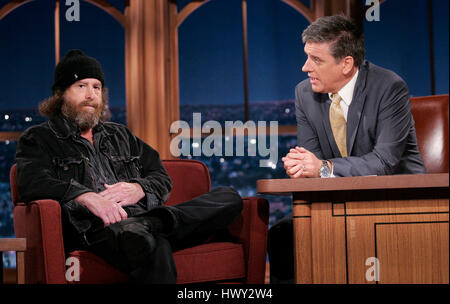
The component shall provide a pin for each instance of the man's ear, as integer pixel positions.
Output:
(348, 63)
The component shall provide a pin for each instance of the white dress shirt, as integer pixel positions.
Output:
(346, 94)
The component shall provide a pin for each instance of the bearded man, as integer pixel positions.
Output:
(110, 184)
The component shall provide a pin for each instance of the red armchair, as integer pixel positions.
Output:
(243, 261)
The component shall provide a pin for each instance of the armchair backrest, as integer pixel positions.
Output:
(13, 181)
(190, 178)
(430, 114)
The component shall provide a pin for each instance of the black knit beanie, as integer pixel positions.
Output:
(74, 66)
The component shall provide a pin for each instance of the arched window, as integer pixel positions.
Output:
(210, 62)
(33, 39)
(400, 42)
(237, 57)
(27, 56)
(275, 59)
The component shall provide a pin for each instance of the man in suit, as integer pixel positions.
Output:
(353, 118)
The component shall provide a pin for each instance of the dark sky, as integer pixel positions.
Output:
(274, 46)
(210, 44)
(27, 50)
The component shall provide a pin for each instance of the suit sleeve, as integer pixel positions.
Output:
(393, 126)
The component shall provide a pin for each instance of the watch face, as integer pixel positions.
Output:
(324, 171)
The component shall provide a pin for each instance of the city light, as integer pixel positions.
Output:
(272, 165)
(6, 116)
(28, 119)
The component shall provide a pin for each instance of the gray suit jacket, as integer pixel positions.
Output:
(381, 138)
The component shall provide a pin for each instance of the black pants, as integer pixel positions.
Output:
(280, 247)
(134, 247)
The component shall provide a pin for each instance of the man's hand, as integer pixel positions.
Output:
(123, 193)
(107, 210)
(300, 162)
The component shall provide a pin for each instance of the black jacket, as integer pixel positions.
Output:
(55, 162)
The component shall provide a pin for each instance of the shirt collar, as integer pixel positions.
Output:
(346, 92)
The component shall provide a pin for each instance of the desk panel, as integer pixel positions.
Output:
(376, 229)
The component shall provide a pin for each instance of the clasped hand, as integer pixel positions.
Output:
(108, 204)
(300, 162)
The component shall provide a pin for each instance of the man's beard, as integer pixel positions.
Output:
(84, 119)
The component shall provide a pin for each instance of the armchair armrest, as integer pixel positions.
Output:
(40, 223)
(251, 230)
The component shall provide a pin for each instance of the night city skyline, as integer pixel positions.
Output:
(210, 56)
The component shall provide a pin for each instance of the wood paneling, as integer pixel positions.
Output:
(421, 254)
(335, 243)
(303, 242)
(328, 245)
(338, 241)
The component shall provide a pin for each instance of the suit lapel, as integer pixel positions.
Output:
(356, 107)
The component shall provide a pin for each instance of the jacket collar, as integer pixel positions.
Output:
(354, 111)
(362, 78)
(356, 108)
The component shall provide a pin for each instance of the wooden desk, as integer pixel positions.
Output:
(342, 224)
(19, 245)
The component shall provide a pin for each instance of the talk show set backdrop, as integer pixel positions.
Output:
(409, 38)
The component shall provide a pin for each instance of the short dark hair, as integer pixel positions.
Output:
(346, 37)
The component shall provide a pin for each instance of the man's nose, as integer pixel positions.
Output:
(90, 93)
(306, 67)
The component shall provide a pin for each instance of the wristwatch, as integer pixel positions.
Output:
(324, 171)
